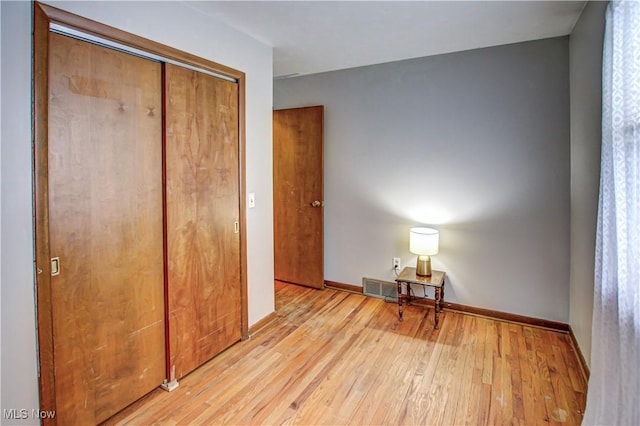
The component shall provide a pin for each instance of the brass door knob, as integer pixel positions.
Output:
(316, 203)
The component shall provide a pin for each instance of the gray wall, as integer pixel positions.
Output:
(475, 144)
(586, 111)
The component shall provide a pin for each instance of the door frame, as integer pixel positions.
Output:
(44, 17)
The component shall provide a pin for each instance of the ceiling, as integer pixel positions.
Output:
(315, 36)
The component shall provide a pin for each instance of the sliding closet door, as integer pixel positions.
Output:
(202, 201)
(105, 223)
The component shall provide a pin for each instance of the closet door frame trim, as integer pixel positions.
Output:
(44, 17)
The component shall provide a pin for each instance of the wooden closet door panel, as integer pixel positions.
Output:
(105, 217)
(202, 199)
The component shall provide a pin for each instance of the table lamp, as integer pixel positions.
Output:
(424, 243)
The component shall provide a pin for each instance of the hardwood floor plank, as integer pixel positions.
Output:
(467, 370)
(497, 392)
(529, 396)
(334, 358)
(506, 397)
(392, 369)
(491, 345)
(566, 397)
(549, 396)
(577, 380)
(443, 388)
(417, 399)
(474, 401)
(515, 331)
(348, 371)
(366, 411)
(459, 377)
(300, 362)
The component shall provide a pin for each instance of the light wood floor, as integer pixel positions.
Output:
(332, 357)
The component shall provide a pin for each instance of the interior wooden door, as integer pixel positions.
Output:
(203, 214)
(298, 195)
(105, 227)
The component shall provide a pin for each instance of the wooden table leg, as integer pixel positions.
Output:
(400, 313)
(437, 308)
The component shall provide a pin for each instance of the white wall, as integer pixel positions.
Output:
(475, 144)
(586, 135)
(19, 361)
(0, 197)
(171, 23)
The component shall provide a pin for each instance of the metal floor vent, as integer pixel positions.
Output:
(380, 289)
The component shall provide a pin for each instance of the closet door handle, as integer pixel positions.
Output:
(236, 227)
(55, 266)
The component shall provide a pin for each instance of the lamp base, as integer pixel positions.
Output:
(423, 266)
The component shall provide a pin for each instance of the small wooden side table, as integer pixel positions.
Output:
(436, 280)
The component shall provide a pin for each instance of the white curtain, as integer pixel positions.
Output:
(613, 397)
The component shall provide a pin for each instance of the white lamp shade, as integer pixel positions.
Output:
(424, 241)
